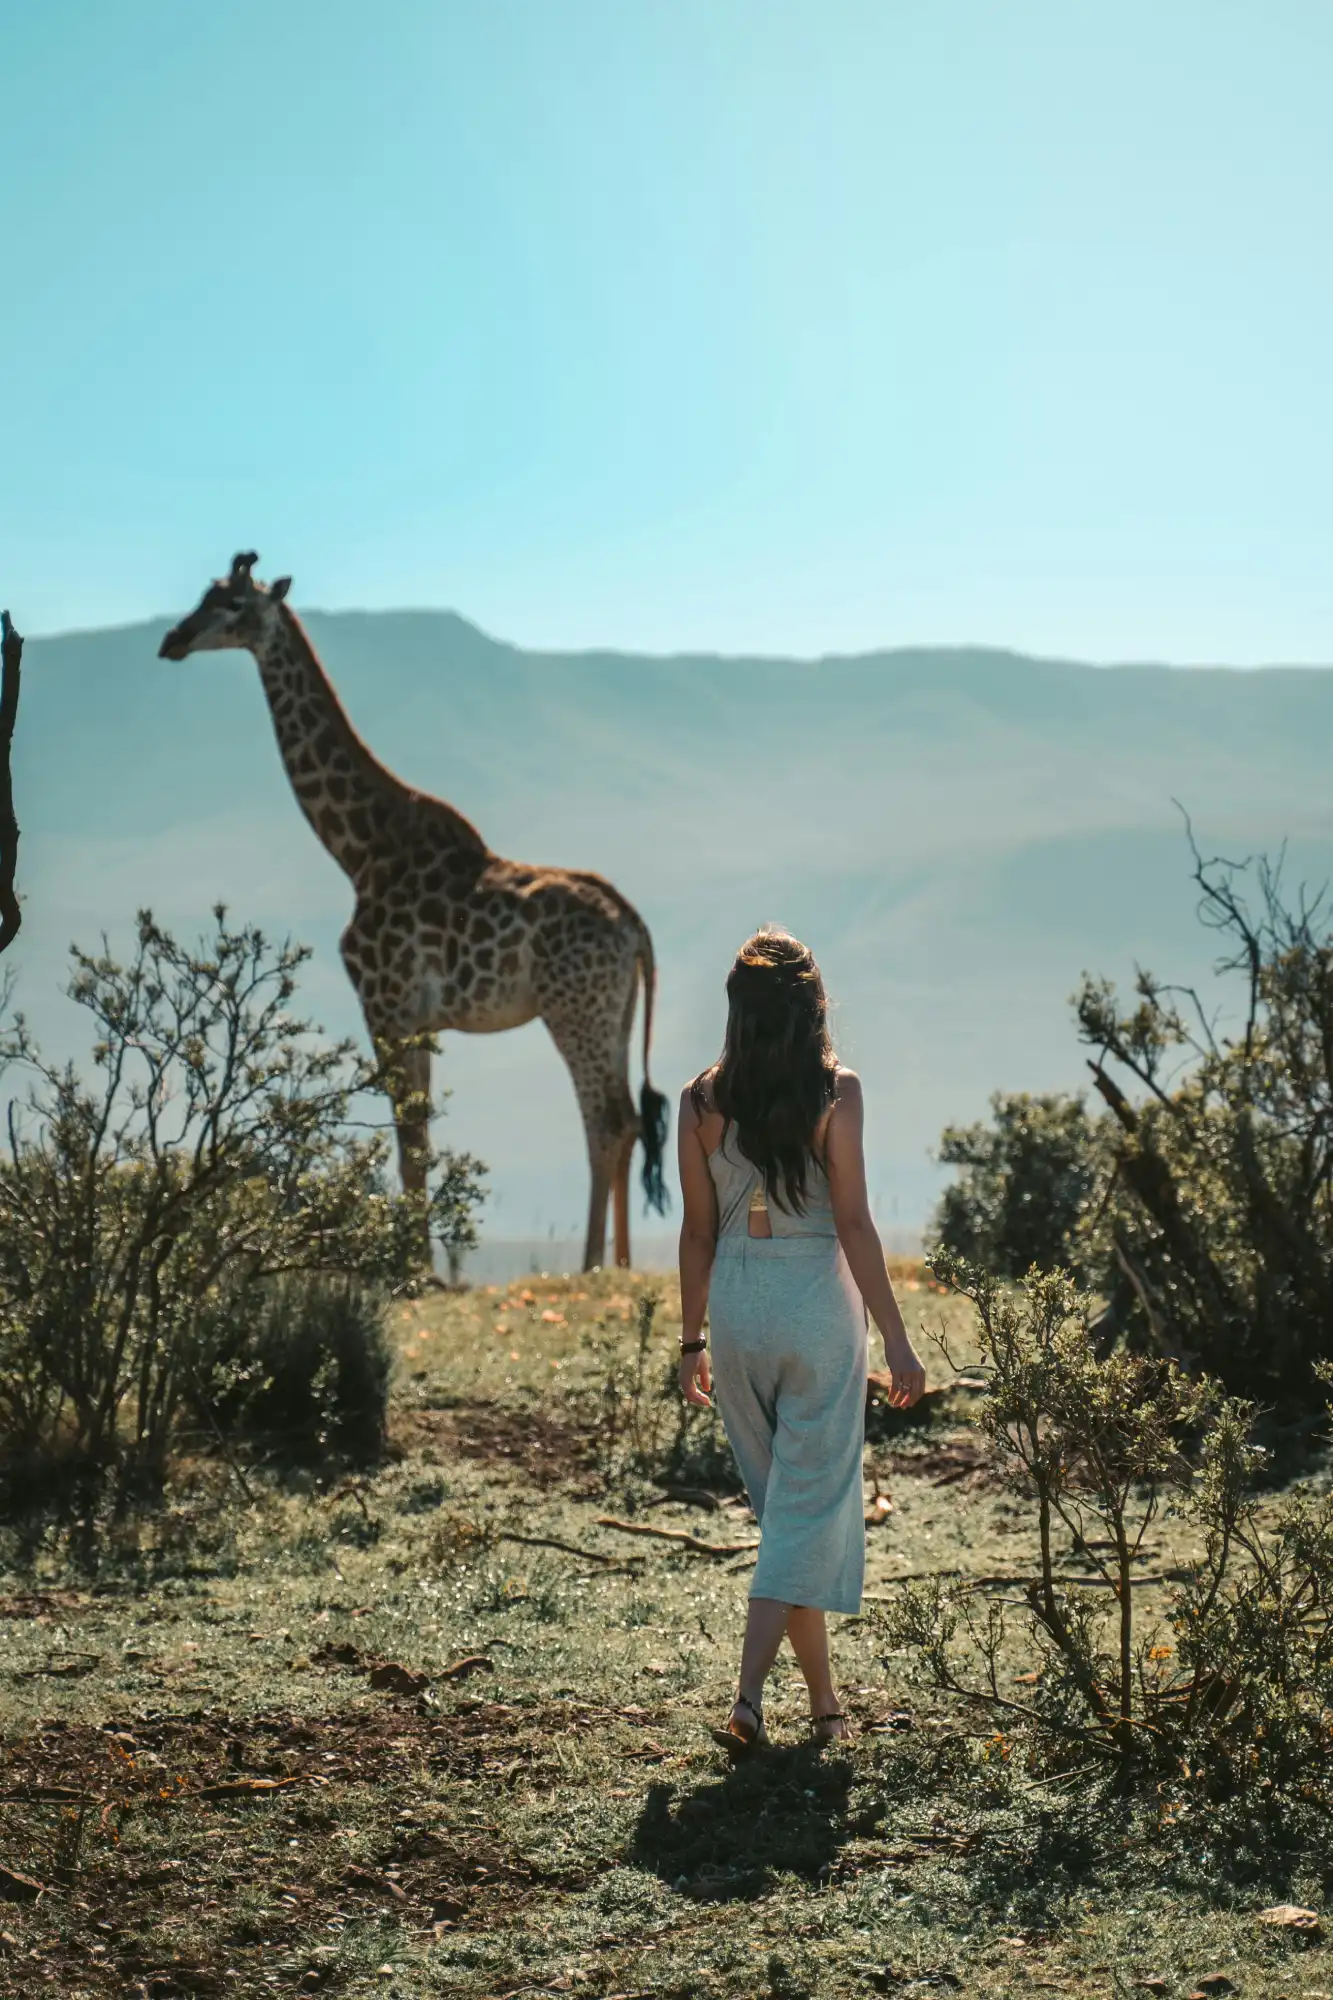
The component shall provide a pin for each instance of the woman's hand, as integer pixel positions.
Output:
(907, 1375)
(696, 1378)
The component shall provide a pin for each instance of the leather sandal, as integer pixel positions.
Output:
(739, 1738)
(833, 1715)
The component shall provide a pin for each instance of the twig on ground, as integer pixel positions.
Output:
(681, 1536)
(25, 1794)
(998, 1582)
(688, 1496)
(909, 1576)
(554, 1542)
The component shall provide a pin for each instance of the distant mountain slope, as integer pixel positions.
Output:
(958, 833)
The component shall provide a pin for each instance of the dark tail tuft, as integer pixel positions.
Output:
(655, 1123)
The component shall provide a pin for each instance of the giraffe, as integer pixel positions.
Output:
(446, 934)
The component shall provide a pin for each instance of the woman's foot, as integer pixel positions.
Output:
(745, 1729)
(831, 1727)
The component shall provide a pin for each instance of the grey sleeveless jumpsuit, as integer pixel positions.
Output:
(789, 1375)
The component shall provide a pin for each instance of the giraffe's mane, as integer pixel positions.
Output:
(460, 827)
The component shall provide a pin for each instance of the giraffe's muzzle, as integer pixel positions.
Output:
(176, 644)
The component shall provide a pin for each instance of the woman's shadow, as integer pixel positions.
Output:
(779, 1812)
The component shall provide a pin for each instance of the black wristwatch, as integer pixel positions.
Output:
(693, 1346)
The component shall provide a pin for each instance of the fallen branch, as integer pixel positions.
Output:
(995, 1582)
(554, 1542)
(909, 1576)
(681, 1536)
(27, 1794)
(688, 1496)
(247, 1788)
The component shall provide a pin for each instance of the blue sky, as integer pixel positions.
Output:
(720, 323)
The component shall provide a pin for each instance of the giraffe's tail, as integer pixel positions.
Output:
(654, 1122)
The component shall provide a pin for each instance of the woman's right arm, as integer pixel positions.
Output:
(845, 1162)
(698, 1242)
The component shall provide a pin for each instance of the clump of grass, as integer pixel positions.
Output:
(306, 1372)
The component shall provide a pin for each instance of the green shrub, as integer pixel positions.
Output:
(1199, 1202)
(1024, 1184)
(205, 1159)
(455, 1204)
(1215, 1686)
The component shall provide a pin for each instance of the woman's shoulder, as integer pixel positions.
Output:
(697, 1095)
(846, 1085)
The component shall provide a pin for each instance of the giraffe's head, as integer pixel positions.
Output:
(234, 611)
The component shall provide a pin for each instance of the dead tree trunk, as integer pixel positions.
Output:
(11, 657)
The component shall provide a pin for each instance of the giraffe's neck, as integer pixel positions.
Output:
(357, 808)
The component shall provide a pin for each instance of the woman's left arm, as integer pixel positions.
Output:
(845, 1161)
(698, 1242)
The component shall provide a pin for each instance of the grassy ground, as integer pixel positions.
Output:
(382, 1736)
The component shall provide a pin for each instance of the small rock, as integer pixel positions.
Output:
(1293, 1917)
(393, 1679)
(471, 1663)
(1215, 1982)
(340, 1655)
(375, 1885)
(16, 1888)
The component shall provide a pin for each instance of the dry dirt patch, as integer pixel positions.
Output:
(146, 1855)
(546, 1449)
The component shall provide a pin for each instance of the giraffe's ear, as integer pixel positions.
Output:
(279, 587)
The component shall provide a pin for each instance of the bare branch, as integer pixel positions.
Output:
(11, 660)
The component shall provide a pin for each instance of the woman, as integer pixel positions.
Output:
(778, 1245)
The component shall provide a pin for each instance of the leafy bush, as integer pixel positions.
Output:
(156, 1200)
(1199, 1203)
(1222, 1213)
(1221, 1688)
(1025, 1182)
(455, 1202)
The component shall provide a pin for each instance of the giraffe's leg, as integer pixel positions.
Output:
(594, 1248)
(620, 1201)
(608, 1124)
(411, 1113)
(405, 1066)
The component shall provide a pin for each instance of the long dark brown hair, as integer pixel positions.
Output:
(777, 1074)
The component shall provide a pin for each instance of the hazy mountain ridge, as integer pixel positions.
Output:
(959, 831)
